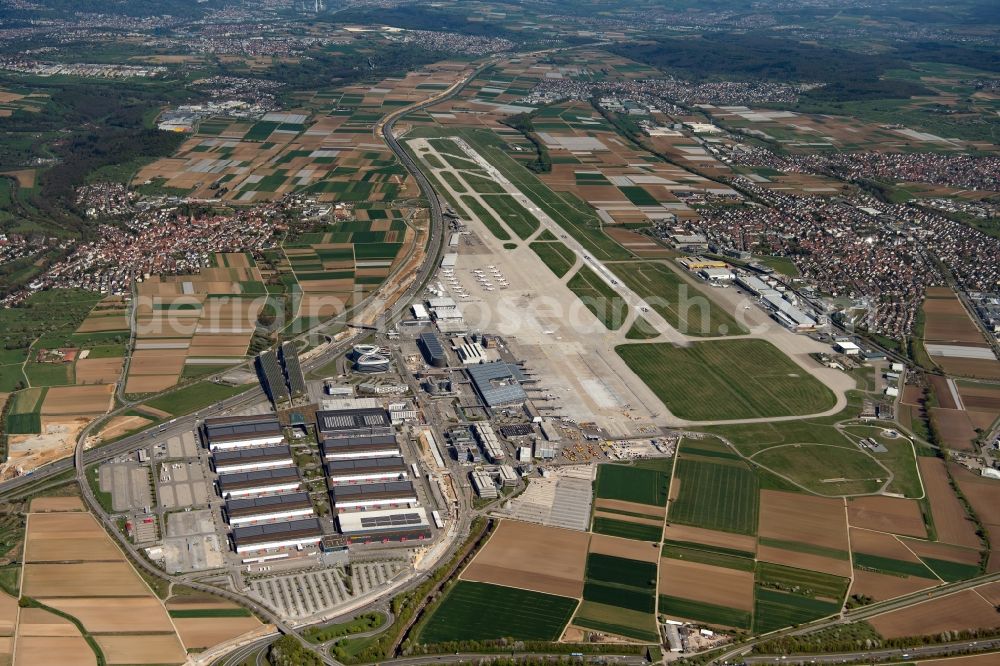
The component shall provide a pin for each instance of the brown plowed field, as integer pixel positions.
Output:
(157, 362)
(954, 427)
(102, 616)
(952, 525)
(43, 504)
(628, 519)
(534, 557)
(979, 397)
(887, 514)
(67, 536)
(947, 321)
(149, 383)
(42, 623)
(881, 544)
(152, 649)
(911, 395)
(962, 610)
(91, 579)
(883, 586)
(968, 660)
(705, 583)
(990, 592)
(819, 521)
(942, 391)
(103, 324)
(710, 537)
(78, 400)
(66, 651)
(201, 632)
(632, 507)
(8, 614)
(810, 561)
(943, 551)
(984, 496)
(120, 425)
(643, 246)
(969, 367)
(98, 370)
(630, 549)
(983, 420)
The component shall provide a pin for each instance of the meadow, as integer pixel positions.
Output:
(716, 495)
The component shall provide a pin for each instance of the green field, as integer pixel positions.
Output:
(899, 458)
(726, 379)
(452, 180)
(484, 216)
(951, 571)
(616, 620)
(693, 554)
(716, 495)
(643, 601)
(514, 215)
(621, 571)
(815, 466)
(802, 582)
(888, 565)
(598, 297)
(194, 397)
(776, 610)
(704, 612)
(555, 255)
(480, 611)
(626, 530)
(674, 299)
(632, 484)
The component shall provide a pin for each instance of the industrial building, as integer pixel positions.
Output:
(420, 312)
(292, 368)
(498, 384)
(385, 525)
(243, 484)
(373, 495)
(249, 460)
(847, 348)
(694, 264)
(346, 448)
(272, 379)
(291, 534)
(789, 315)
(483, 484)
(350, 422)
(508, 477)
(489, 442)
(433, 350)
(366, 470)
(241, 432)
(716, 274)
(241, 512)
(754, 285)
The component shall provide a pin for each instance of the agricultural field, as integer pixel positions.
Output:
(953, 341)
(887, 514)
(203, 621)
(714, 493)
(785, 596)
(533, 557)
(480, 611)
(678, 300)
(726, 379)
(951, 522)
(619, 596)
(805, 532)
(825, 470)
(714, 595)
(630, 483)
(965, 610)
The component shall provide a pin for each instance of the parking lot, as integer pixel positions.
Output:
(192, 543)
(183, 484)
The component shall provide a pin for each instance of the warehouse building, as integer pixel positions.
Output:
(272, 536)
(788, 314)
(249, 460)
(345, 423)
(241, 512)
(498, 384)
(716, 274)
(385, 525)
(366, 470)
(373, 495)
(432, 349)
(242, 432)
(380, 446)
(244, 484)
(754, 285)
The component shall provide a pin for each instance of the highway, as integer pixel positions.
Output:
(888, 655)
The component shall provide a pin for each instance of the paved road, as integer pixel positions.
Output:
(873, 656)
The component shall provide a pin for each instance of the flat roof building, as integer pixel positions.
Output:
(366, 470)
(489, 441)
(272, 379)
(385, 525)
(353, 422)
(483, 484)
(373, 495)
(378, 446)
(242, 484)
(272, 536)
(240, 432)
(270, 508)
(432, 349)
(293, 370)
(248, 460)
